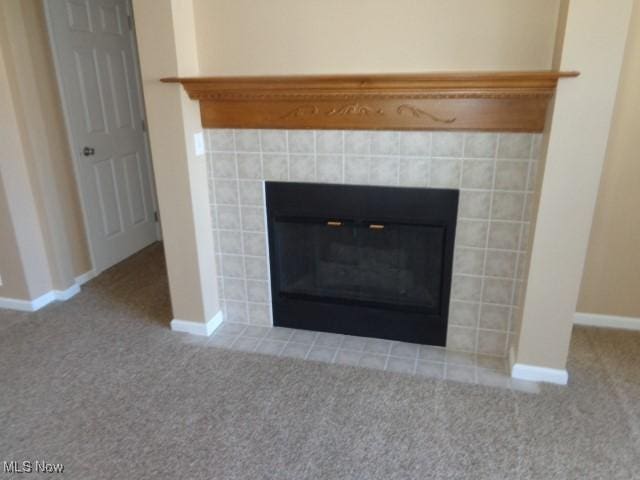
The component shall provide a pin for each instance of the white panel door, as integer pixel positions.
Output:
(96, 63)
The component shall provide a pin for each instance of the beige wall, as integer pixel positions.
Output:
(167, 47)
(611, 281)
(36, 127)
(243, 37)
(593, 43)
(14, 284)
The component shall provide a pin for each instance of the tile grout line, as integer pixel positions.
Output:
(486, 246)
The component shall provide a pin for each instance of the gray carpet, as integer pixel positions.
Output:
(100, 384)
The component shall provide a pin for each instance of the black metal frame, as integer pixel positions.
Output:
(362, 204)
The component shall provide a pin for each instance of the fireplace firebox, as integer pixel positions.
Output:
(362, 260)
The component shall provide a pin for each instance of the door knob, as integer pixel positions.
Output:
(88, 151)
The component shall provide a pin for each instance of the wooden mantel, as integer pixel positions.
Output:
(485, 101)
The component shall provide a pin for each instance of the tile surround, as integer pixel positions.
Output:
(496, 176)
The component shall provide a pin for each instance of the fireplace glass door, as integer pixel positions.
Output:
(397, 266)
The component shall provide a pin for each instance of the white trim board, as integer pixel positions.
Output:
(197, 328)
(40, 302)
(532, 373)
(606, 321)
(85, 277)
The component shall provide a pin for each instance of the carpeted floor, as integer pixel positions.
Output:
(101, 385)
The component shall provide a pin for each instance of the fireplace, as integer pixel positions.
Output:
(362, 260)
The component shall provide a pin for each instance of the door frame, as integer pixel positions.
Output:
(75, 154)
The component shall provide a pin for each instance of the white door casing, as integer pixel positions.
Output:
(96, 65)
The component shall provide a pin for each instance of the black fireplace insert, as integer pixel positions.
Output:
(362, 260)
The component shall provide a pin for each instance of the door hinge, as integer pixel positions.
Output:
(143, 122)
(130, 22)
(156, 216)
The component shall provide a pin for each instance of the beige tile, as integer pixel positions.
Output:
(253, 219)
(254, 244)
(459, 373)
(302, 168)
(430, 369)
(383, 171)
(477, 174)
(348, 357)
(414, 172)
(415, 143)
(504, 235)
(226, 191)
(471, 233)
(295, 350)
(432, 353)
(221, 140)
(273, 141)
(445, 173)
(480, 145)
(259, 314)
(373, 361)
(235, 289)
(495, 317)
(491, 343)
(257, 291)
(232, 266)
(515, 145)
(501, 263)
(275, 167)
(235, 311)
(402, 349)
(247, 140)
(223, 165)
(301, 141)
(329, 141)
(468, 261)
(256, 268)
(507, 206)
(464, 314)
(230, 242)
(329, 168)
(249, 165)
(400, 365)
(384, 143)
(466, 288)
(461, 339)
(321, 354)
(497, 291)
(357, 143)
(228, 217)
(474, 204)
(356, 170)
(251, 192)
(511, 175)
(447, 144)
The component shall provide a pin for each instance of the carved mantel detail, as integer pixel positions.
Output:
(491, 101)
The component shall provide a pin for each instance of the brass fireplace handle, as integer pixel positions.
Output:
(334, 223)
(376, 226)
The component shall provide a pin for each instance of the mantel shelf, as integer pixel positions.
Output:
(484, 101)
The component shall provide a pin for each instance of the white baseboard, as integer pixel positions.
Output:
(40, 302)
(197, 328)
(85, 277)
(533, 373)
(606, 321)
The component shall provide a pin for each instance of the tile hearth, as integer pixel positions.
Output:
(399, 357)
